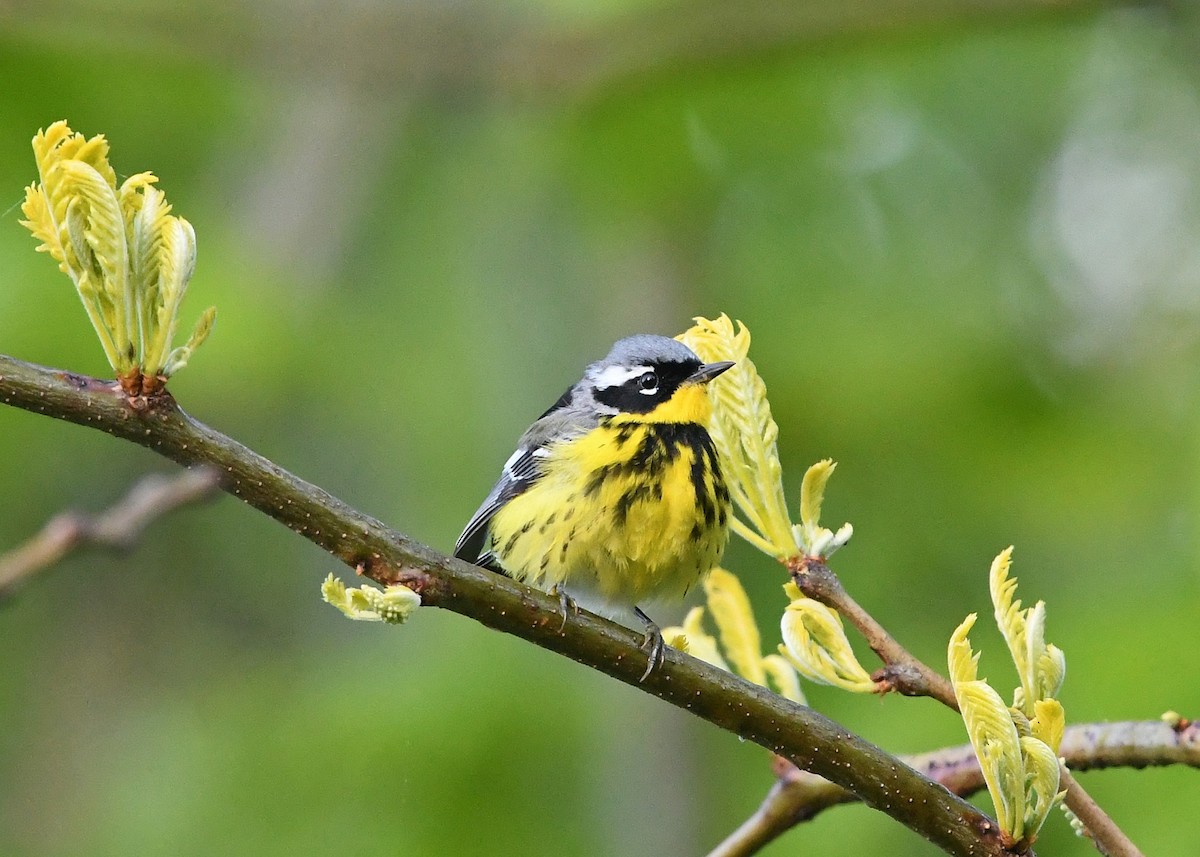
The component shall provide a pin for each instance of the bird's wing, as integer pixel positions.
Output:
(566, 419)
(520, 472)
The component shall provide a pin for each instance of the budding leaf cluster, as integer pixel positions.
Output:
(746, 437)
(393, 605)
(129, 258)
(1017, 746)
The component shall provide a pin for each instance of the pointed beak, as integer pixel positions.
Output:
(707, 372)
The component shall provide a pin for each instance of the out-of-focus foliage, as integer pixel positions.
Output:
(969, 250)
(739, 636)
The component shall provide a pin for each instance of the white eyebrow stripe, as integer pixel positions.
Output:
(615, 376)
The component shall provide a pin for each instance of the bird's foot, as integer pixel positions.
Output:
(652, 644)
(566, 604)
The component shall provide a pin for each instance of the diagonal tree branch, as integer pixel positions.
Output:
(807, 739)
(799, 796)
(116, 528)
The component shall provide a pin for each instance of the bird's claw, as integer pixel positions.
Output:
(566, 604)
(653, 644)
(655, 650)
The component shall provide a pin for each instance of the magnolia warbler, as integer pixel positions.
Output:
(615, 494)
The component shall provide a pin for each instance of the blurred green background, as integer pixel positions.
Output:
(967, 242)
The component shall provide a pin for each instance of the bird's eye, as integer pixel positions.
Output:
(648, 383)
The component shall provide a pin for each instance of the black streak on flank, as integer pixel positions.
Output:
(704, 499)
(662, 444)
(621, 510)
(512, 540)
(651, 454)
(720, 489)
(597, 479)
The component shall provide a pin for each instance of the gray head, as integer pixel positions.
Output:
(639, 373)
(646, 349)
(643, 371)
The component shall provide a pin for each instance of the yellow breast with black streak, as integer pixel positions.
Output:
(633, 510)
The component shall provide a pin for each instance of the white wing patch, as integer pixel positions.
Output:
(512, 460)
(615, 376)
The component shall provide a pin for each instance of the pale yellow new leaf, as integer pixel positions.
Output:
(129, 258)
(815, 643)
(146, 211)
(176, 262)
(1041, 785)
(1051, 671)
(745, 434)
(783, 676)
(812, 538)
(50, 147)
(735, 624)
(1041, 667)
(368, 604)
(991, 731)
(693, 639)
(1048, 723)
(95, 207)
(963, 663)
(179, 357)
(812, 492)
(39, 221)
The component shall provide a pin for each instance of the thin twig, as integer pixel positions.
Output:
(807, 739)
(902, 672)
(1101, 829)
(912, 677)
(117, 528)
(798, 796)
